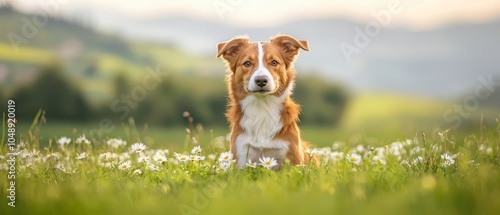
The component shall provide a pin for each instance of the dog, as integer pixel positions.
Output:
(261, 114)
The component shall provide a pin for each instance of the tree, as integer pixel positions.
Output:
(55, 94)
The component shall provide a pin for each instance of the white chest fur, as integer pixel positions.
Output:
(261, 122)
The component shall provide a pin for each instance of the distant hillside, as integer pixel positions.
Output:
(56, 33)
(90, 56)
(441, 63)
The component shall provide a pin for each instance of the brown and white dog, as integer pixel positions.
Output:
(262, 115)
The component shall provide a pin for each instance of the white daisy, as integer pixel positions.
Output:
(138, 147)
(142, 159)
(251, 164)
(268, 162)
(159, 158)
(225, 165)
(379, 159)
(125, 165)
(196, 150)
(82, 139)
(115, 142)
(337, 156)
(182, 158)
(123, 157)
(447, 160)
(137, 172)
(64, 141)
(405, 163)
(153, 167)
(418, 160)
(197, 158)
(226, 157)
(311, 152)
(354, 158)
(81, 156)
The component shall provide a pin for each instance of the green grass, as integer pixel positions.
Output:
(51, 180)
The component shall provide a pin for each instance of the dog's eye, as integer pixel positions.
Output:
(247, 64)
(274, 63)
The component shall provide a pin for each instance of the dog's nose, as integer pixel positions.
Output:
(261, 81)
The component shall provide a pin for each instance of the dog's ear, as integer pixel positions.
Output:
(289, 46)
(229, 50)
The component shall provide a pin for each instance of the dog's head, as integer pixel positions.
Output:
(261, 67)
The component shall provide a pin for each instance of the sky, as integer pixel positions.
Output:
(417, 14)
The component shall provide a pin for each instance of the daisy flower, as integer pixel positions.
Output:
(197, 158)
(311, 152)
(196, 150)
(64, 141)
(447, 160)
(83, 155)
(138, 147)
(182, 158)
(251, 164)
(268, 162)
(82, 139)
(418, 160)
(354, 158)
(153, 167)
(337, 156)
(225, 165)
(159, 158)
(379, 159)
(226, 157)
(115, 143)
(142, 159)
(212, 157)
(125, 165)
(137, 172)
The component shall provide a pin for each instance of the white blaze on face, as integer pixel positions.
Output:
(261, 71)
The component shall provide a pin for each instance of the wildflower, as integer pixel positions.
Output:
(268, 162)
(197, 158)
(354, 158)
(405, 163)
(159, 158)
(143, 159)
(360, 148)
(123, 157)
(138, 147)
(251, 164)
(196, 150)
(337, 145)
(225, 165)
(226, 157)
(64, 141)
(447, 160)
(105, 156)
(82, 139)
(311, 152)
(115, 142)
(153, 167)
(211, 156)
(337, 156)
(125, 165)
(81, 156)
(137, 172)
(181, 157)
(379, 159)
(418, 160)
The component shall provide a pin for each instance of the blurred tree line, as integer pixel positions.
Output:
(203, 97)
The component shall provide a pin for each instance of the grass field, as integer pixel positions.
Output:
(389, 172)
